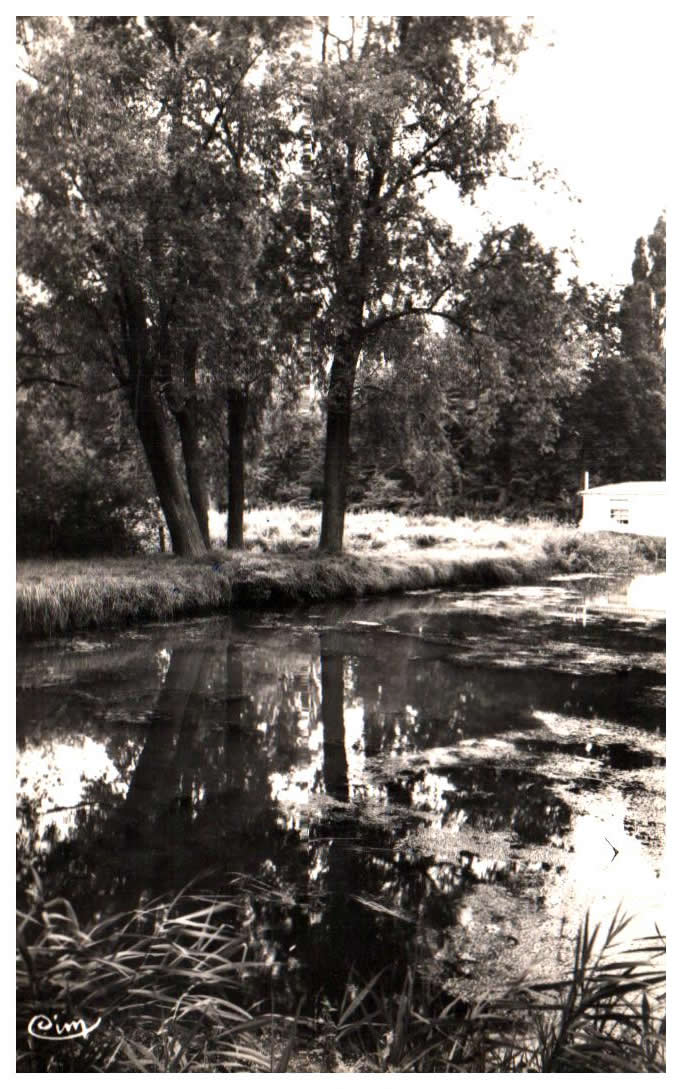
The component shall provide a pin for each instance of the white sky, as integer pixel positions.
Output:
(595, 106)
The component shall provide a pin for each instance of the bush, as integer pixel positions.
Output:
(74, 499)
(82, 525)
(83, 516)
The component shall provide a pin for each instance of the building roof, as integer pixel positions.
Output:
(629, 488)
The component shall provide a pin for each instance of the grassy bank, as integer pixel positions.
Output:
(385, 553)
(166, 989)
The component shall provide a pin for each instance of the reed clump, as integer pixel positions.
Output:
(607, 1016)
(385, 553)
(170, 984)
(166, 983)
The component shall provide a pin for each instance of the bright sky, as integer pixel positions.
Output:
(596, 106)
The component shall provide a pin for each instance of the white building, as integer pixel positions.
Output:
(638, 506)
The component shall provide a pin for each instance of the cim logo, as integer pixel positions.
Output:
(42, 1027)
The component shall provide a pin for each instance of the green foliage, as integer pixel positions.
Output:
(402, 452)
(397, 103)
(469, 415)
(618, 418)
(525, 387)
(148, 164)
(217, 205)
(284, 467)
(529, 346)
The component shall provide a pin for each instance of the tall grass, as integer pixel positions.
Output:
(166, 980)
(169, 982)
(385, 553)
(76, 595)
(608, 1016)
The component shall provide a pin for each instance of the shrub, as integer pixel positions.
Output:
(77, 500)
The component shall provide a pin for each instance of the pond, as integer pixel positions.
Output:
(450, 778)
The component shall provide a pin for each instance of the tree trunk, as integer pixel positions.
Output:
(237, 403)
(188, 425)
(185, 534)
(337, 444)
(191, 453)
(151, 423)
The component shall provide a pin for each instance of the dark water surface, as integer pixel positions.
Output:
(448, 776)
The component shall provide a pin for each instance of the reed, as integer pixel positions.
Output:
(170, 983)
(608, 1016)
(167, 981)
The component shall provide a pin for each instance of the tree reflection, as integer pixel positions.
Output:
(368, 902)
(170, 738)
(197, 797)
(335, 765)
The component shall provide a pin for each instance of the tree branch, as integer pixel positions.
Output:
(418, 158)
(43, 379)
(407, 311)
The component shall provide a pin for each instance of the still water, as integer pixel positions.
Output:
(447, 777)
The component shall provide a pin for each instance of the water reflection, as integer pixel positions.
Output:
(335, 762)
(375, 777)
(644, 594)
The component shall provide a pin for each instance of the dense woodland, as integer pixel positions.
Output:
(231, 291)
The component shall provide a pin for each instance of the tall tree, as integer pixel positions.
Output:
(138, 185)
(470, 414)
(397, 102)
(642, 312)
(620, 415)
(525, 337)
(265, 327)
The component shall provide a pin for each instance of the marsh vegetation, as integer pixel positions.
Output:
(171, 985)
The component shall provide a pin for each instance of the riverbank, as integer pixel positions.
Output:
(385, 553)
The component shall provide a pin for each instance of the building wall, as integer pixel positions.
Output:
(630, 514)
(649, 515)
(595, 512)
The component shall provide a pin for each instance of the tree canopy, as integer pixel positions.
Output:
(146, 159)
(215, 210)
(397, 103)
